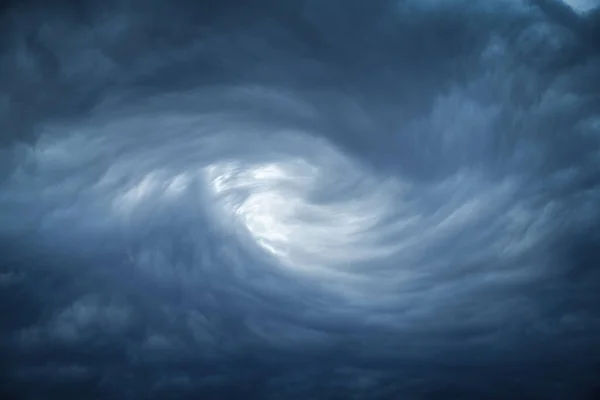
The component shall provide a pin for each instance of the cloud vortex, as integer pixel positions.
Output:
(302, 203)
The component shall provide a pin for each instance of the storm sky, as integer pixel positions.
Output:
(312, 199)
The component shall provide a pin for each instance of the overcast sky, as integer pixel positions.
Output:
(308, 199)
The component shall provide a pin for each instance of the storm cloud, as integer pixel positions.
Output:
(300, 199)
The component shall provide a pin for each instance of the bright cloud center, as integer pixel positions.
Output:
(290, 209)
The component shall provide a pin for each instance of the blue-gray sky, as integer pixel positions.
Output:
(300, 200)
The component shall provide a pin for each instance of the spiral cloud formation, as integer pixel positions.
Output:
(300, 200)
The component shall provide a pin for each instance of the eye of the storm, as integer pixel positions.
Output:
(298, 209)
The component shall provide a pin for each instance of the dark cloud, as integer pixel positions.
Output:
(266, 200)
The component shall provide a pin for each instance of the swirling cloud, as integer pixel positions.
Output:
(304, 204)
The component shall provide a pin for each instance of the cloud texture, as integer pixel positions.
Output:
(269, 199)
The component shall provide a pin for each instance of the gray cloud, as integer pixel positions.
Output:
(307, 200)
